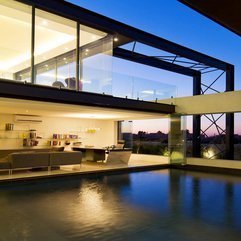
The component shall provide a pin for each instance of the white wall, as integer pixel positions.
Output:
(50, 125)
(214, 163)
(210, 103)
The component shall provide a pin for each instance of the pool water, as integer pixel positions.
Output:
(156, 205)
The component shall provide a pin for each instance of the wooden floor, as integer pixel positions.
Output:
(84, 168)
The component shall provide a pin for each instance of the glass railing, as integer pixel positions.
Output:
(105, 82)
(143, 89)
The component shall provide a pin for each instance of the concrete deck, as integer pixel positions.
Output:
(83, 169)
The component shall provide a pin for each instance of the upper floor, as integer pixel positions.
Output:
(53, 49)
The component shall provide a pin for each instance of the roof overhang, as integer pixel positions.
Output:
(12, 106)
(124, 32)
(224, 12)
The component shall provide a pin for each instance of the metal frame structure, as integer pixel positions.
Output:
(181, 60)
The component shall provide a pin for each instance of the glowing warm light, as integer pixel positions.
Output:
(209, 153)
(92, 208)
(89, 115)
(53, 43)
(44, 22)
(53, 76)
(116, 39)
(46, 47)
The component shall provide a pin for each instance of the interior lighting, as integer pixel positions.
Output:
(53, 76)
(42, 49)
(116, 39)
(44, 22)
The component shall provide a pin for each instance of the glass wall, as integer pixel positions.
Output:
(125, 129)
(127, 86)
(96, 64)
(55, 56)
(177, 139)
(15, 47)
(55, 41)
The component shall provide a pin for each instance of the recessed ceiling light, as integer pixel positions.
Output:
(87, 50)
(64, 58)
(116, 39)
(44, 22)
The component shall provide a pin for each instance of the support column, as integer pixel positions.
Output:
(176, 141)
(33, 78)
(229, 141)
(196, 140)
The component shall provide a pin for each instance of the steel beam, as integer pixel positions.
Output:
(108, 25)
(196, 139)
(229, 116)
(154, 62)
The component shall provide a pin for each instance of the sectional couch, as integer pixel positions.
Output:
(34, 159)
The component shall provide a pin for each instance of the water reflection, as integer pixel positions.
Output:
(167, 204)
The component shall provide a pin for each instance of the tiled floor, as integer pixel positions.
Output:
(84, 168)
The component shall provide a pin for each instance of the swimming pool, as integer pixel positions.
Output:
(156, 205)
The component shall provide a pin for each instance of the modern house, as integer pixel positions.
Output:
(56, 79)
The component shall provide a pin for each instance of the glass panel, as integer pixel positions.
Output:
(237, 136)
(125, 133)
(150, 136)
(55, 43)
(177, 139)
(213, 136)
(15, 47)
(132, 87)
(96, 65)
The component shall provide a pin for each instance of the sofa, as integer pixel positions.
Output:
(32, 159)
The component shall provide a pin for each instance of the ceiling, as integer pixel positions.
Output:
(54, 36)
(17, 106)
(225, 12)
